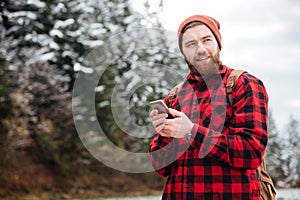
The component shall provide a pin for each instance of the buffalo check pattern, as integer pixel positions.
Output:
(227, 143)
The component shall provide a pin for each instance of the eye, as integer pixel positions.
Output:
(191, 44)
(207, 40)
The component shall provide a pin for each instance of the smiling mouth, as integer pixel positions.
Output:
(204, 58)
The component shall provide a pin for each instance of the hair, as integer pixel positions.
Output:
(188, 26)
(191, 25)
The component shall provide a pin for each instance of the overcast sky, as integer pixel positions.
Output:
(260, 36)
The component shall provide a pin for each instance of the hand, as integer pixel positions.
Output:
(178, 127)
(158, 120)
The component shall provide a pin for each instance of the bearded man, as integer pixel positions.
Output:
(212, 147)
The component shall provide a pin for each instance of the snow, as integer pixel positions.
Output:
(56, 33)
(53, 45)
(99, 88)
(37, 3)
(79, 67)
(129, 19)
(63, 23)
(28, 14)
(74, 33)
(92, 43)
(96, 29)
(59, 8)
(45, 57)
(82, 6)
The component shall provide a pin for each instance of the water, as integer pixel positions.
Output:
(282, 194)
(132, 198)
(288, 194)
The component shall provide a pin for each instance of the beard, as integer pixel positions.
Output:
(208, 68)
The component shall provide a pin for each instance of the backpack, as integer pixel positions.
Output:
(266, 186)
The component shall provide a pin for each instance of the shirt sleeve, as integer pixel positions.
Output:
(165, 151)
(245, 144)
(160, 152)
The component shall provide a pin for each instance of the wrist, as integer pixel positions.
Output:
(188, 135)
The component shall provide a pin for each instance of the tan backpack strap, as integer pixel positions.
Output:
(234, 75)
(266, 185)
(173, 93)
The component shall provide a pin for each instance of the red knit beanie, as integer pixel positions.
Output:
(210, 22)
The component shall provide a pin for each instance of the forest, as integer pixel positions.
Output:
(75, 74)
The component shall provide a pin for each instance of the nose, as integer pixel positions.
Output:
(200, 47)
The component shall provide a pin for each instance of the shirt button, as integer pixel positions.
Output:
(186, 185)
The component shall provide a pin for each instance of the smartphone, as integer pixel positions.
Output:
(161, 107)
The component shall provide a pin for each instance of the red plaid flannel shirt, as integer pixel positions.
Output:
(227, 143)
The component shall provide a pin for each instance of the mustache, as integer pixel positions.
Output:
(216, 57)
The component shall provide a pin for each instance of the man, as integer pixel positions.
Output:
(211, 149)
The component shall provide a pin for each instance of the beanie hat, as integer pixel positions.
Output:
(210, 22)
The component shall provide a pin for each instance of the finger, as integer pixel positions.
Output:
(158, 122)
(165, 133)
(169, 127)
(175, 113)
(153, 112)
(159, 116)
(162, 132)
(159, 128)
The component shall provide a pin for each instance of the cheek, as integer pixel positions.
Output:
(188, 55)
(214, 49)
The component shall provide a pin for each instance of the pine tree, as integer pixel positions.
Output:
(61, 34)
(292, 154)
(5, 103)
(140, 60)
(274, 151)
(41, 72)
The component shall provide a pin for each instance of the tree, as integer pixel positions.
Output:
(41, 35)
(5, 103)
(58, 32)
(274, 151)
(42, 71)
(43, 117)
(141, 67)
(292, 153)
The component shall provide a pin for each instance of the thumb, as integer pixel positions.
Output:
(174, 112)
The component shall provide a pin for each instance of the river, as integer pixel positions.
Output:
(282, 194)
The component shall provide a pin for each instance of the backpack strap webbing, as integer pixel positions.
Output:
(173, 93)
(234, 75)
